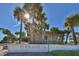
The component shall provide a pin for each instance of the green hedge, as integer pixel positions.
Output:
(65, 53)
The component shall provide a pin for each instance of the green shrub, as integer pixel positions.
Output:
(65, 53)
(26, 39)
(1, 42)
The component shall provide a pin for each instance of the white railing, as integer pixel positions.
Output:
(39, 47)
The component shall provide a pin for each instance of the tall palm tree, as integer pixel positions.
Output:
(75, 20)
(41, 17)
(68, 30)
(18, 15)
(70, 24)
(31, 8)
(37, 14)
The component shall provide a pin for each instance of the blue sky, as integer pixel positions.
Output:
(56, 14)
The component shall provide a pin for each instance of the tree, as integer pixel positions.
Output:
(37, 15)
(30, 7)
(27, 28)
(18, 15)
(67, 32)
(70, 24)
(41, 17)
(6, 39)
(24, 37)
(23, 34)
(9, 35)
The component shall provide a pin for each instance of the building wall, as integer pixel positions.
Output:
(38, 36)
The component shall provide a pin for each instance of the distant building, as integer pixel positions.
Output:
(44, 37)
(49, 37)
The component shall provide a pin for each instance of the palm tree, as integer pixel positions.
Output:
(41, 17)
(75, 20)
(30, 7)
(46, 26)
(18, 14)
(68, 30)
(70, 24)
(67, 34)
(37, 14)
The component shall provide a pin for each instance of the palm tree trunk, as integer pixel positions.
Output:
(34, 36)
(28, 32)
(74, 36)
(20, 39)
(44, 35)
(33, 31)
(66, 38)
(41, 35)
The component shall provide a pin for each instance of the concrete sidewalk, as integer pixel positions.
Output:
(29, 54)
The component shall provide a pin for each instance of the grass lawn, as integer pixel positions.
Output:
(65, 53)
